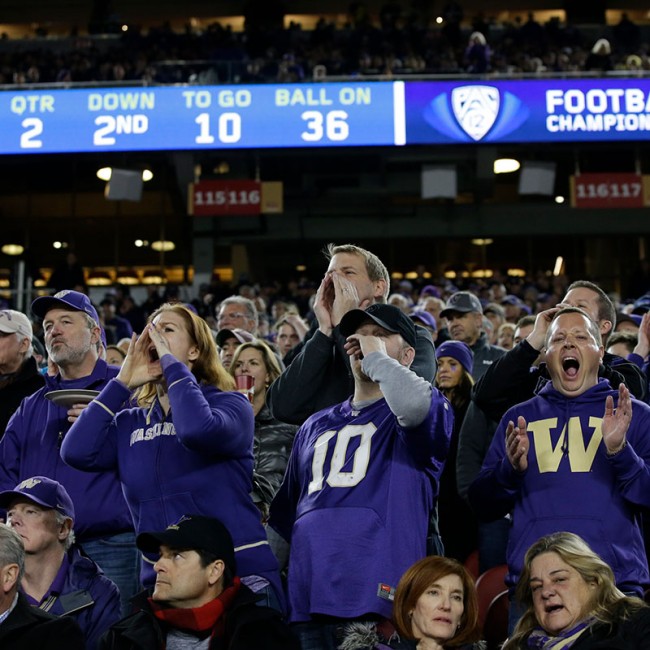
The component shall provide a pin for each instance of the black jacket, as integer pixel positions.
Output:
(248, 627)
(30, 628)
(630, 634)
(25, 382)
(512, 379)
(319, 375)
(271, 449)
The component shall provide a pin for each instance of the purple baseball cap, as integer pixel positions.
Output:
(424, 317)
(43, 491)
(68, 299)
(511, 299)
(430, 290)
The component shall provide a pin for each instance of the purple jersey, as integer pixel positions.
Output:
(355, 505)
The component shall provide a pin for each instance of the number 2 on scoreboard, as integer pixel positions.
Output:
(28, 140)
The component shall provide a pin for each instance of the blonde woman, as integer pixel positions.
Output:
(273, 439)
(572, 601)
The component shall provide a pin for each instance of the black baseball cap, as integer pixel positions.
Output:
(194, 532)
(463, 302)
(387, 316)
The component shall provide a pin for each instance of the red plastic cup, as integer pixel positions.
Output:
(246, 386)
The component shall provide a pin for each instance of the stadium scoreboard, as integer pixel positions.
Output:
(381, 113)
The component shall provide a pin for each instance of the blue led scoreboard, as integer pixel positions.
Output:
(390, 113)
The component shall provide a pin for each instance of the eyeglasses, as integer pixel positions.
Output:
(232, 316)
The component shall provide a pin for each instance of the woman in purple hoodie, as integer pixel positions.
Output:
(187, 448)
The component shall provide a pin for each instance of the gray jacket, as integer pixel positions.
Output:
(484, 355)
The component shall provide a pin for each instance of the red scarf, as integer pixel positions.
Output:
(210, 616)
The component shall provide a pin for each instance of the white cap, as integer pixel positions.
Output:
(12, 321)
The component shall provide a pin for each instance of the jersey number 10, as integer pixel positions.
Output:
(336, 477)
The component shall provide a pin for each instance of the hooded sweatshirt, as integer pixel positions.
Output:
(197, 459)
(571, 484)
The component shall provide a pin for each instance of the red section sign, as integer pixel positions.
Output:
(608, 191)
(210, 198)
(235, 197)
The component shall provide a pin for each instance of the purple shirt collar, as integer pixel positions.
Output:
(57, 584)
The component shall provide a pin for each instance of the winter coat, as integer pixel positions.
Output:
(29, 628)
(87, 596)
(25, 382)
(513, 379)
(247, 627)
(31, 447)
(366, 636)
(271, 449)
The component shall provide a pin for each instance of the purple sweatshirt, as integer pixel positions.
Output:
(198, 459)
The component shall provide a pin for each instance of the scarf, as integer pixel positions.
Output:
(199, 619)
(540, 639)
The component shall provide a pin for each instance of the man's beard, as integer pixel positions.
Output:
(66, 356)
(359, 375)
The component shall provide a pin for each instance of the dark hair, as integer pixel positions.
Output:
(117, 349)
(524, 321)
(629, 339)
(207, 557)
(417, 579)
(459, 396)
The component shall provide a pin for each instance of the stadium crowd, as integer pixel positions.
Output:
(314, 465)
(396, 42)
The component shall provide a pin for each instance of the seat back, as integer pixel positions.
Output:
(471, 564)
(489, 585)
(495, 628)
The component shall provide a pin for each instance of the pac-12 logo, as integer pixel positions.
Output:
(476, 112)
(475, 108)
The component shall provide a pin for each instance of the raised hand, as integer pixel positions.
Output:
(323, 305)
(643, 346)
(346, 298)
(158, 340)
(359, 345)
(537, 338)
(517, 444)
(616, 421)
(298, 324)
(139, 366)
